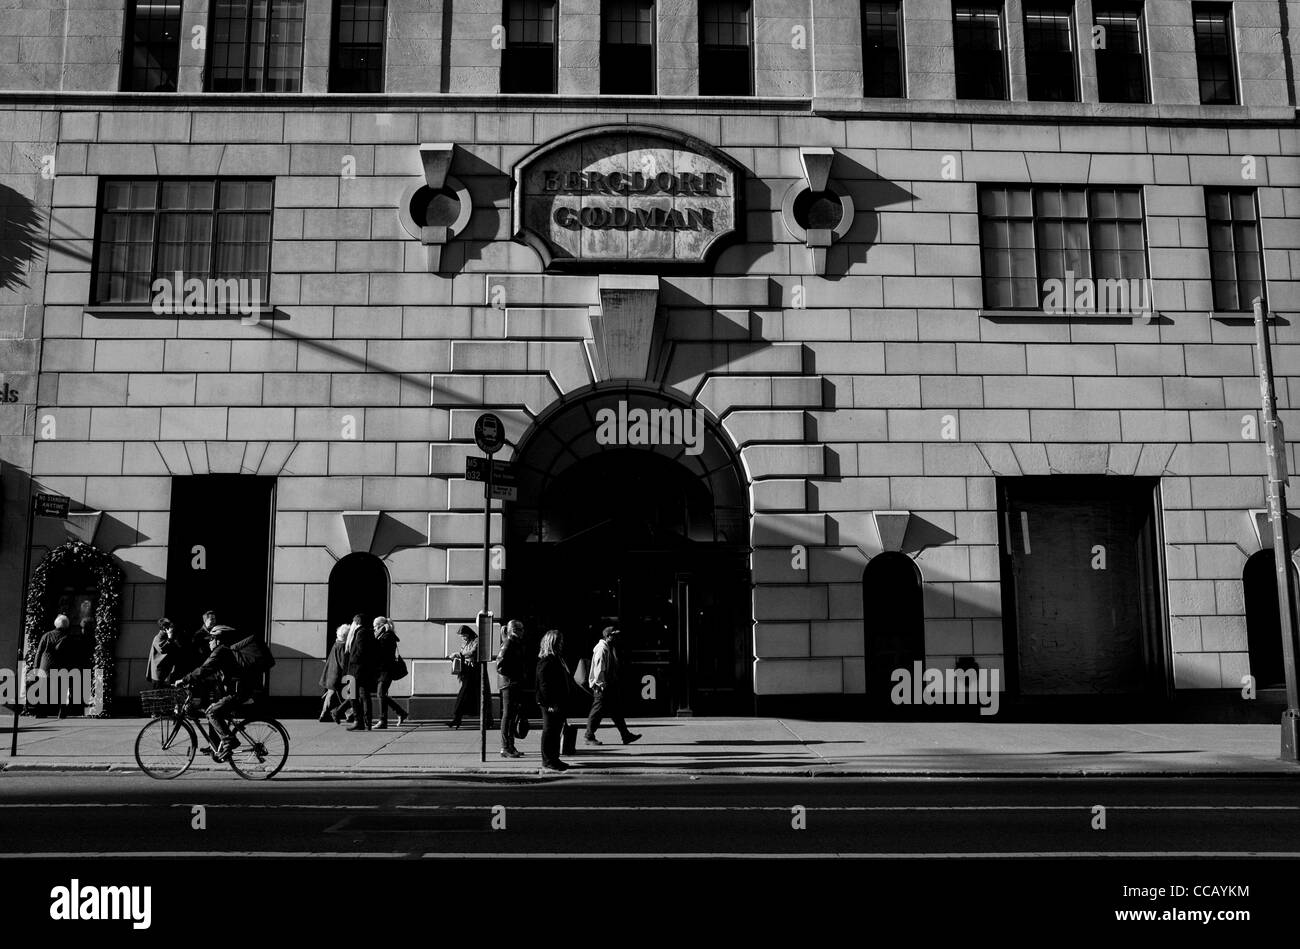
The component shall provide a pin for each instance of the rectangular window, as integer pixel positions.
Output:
(1064, 233)
(882, 49)
(980, 53)
(1121, 55)
(153, 45)
(627, 47)
(1213, 25)
(256, 46)
(357, 53)
(726, 68)
(202, 227)
(1236, 251)
(528, 62)
(1049, 52)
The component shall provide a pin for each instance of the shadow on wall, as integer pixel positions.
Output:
(21, 244)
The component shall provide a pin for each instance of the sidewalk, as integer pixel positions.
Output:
(749, 746)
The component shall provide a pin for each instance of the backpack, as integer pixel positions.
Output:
(253, 655)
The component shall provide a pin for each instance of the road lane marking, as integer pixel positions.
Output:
(499, 854)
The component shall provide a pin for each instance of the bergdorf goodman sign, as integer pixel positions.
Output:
(626, 195)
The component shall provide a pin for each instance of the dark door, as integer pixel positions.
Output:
(1081, 577)
(1263, 631)
(893, 622)
(358, 584)
(219, 550)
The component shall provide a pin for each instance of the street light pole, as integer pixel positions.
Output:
(1275, 451)
(22, 618)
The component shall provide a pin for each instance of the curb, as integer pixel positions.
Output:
(531, 776)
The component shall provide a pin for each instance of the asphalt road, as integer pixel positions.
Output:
(112, 814)
(669, 856)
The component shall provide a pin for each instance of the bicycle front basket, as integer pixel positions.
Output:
(156, 702)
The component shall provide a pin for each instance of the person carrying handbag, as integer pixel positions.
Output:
(391, 668)
(465, 666)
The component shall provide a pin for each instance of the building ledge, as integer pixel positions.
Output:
(136, 310)
(1044, 316)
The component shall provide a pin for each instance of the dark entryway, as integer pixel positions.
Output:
(647, 538)
(219, 550)
(1263, 632)
(358, 584)
(1082, 586)
(893, 623)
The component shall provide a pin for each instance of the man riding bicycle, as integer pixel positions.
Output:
(239, 665)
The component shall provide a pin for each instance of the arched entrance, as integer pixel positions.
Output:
(615, 525)
(894, 621)
(83, 583)
(1263, 632)
(358, 584)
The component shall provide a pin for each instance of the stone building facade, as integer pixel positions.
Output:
(859, 393)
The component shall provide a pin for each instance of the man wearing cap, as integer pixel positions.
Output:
(605, 689)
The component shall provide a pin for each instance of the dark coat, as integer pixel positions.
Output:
(552, 683)
(164, 656)
(386, 647)
(362, 660)
(332, 677)
(59, 649)
(512, 666)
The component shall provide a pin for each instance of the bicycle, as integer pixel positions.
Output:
(166, 745)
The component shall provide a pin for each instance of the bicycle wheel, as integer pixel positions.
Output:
(164, 749)
(263, 749)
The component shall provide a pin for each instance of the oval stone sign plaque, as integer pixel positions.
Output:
(628, 195)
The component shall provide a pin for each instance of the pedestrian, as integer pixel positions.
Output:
(512, 673)
(331, 679)
(553, 684)
(362, 663)
(386, 642)
(606, 689)
(465, 666)
(164, 653)
(201, 639)
(58, 651)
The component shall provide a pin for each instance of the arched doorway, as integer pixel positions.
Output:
(893, 625)
(358, 584)
(651, 536)
(1263, 631)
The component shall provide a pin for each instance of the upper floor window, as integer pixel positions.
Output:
(256, 46)
(1121, 55)
(1236, 251)
(627, 47)
(357, 54)
(1213, 25)
(199, 228)
(1049, 51)
(980, 54)
(882, 48)
(725, 65)
(528, 60)
(153, 45)
(1032, 237)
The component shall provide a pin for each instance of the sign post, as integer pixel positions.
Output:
(39, 505)
(1275, 451)
(489, 435)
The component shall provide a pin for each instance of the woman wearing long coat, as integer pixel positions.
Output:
(331, 679)
(386, 642)
(553, 681)
(362, 663)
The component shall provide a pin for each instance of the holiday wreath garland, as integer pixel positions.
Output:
(107, 576)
